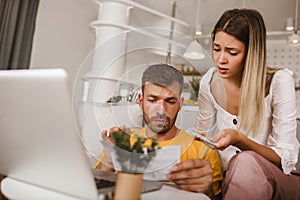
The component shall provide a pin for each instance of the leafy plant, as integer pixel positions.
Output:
(134, 152)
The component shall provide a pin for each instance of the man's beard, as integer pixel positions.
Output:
(160, 129)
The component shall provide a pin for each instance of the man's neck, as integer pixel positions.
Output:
(172, 133)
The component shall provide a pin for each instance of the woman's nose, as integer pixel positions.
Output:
(222, 58)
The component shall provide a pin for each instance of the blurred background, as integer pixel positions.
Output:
(105, 46)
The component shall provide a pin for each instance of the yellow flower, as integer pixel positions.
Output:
(148, 143)
(133, 140)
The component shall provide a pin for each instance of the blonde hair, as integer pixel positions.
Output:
(247, 25)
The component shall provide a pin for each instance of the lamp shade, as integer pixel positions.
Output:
(194, 51)
(294, 39)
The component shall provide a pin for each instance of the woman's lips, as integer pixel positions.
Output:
(222, 70)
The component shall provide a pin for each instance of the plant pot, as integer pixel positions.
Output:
(128, 186)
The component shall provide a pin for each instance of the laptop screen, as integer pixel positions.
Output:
(39, 142)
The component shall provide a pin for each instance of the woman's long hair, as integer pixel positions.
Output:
(248, 26)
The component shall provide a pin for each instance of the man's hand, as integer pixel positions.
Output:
(106, 162)
(192, 175)
(106, 134)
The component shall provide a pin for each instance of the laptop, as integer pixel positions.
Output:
(39, 141)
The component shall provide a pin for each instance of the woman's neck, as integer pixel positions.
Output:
(235, 81)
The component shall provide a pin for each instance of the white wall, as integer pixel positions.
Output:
(282, 55)
(62, 36)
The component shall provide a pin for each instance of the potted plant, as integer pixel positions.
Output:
(133, 154)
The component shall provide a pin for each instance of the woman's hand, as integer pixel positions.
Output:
(234, 137)
(227, 137)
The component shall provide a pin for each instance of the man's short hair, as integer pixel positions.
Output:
(162, 75)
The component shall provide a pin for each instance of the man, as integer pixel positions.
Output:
(160, 102)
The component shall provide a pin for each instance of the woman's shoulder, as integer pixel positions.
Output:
(205, 81)
(285, 71)
(283, 75)
(207, 77)
(282, 79)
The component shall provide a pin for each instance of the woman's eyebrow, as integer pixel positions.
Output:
(228, 48)
(231, 48)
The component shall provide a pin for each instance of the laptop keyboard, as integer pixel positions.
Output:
(105, 187)
(101, 183)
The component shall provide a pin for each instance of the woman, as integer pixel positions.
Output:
(250, 111)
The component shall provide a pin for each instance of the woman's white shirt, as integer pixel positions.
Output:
(279, 128)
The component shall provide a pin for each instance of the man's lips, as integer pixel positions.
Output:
(159, 120)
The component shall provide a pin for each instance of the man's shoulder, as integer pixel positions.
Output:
(183, 133)
(186, 136)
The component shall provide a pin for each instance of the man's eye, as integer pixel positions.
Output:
(171, 101)
(151, 100)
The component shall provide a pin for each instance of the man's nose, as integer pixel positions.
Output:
(159, 108)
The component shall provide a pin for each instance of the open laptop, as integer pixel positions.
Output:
(39, 143)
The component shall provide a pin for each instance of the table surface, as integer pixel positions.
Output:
(169, 192)
(14, 189)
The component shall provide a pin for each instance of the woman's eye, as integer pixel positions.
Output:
(233, 53)
(215, 49)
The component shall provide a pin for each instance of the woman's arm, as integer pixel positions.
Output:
(207, 112)
(281, 147)
(236, 138)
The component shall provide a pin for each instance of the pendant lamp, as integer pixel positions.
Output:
(194, 50)
(294, 39)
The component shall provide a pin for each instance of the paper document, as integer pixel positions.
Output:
(158, 167)
(162, 163)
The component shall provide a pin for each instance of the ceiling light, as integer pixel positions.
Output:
(194, 51)
(198, 30)
(289, 24)
(168, 59)
(294, 39)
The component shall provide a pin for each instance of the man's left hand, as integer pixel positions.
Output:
(194, 175)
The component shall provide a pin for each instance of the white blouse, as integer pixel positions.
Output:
(279, 129)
